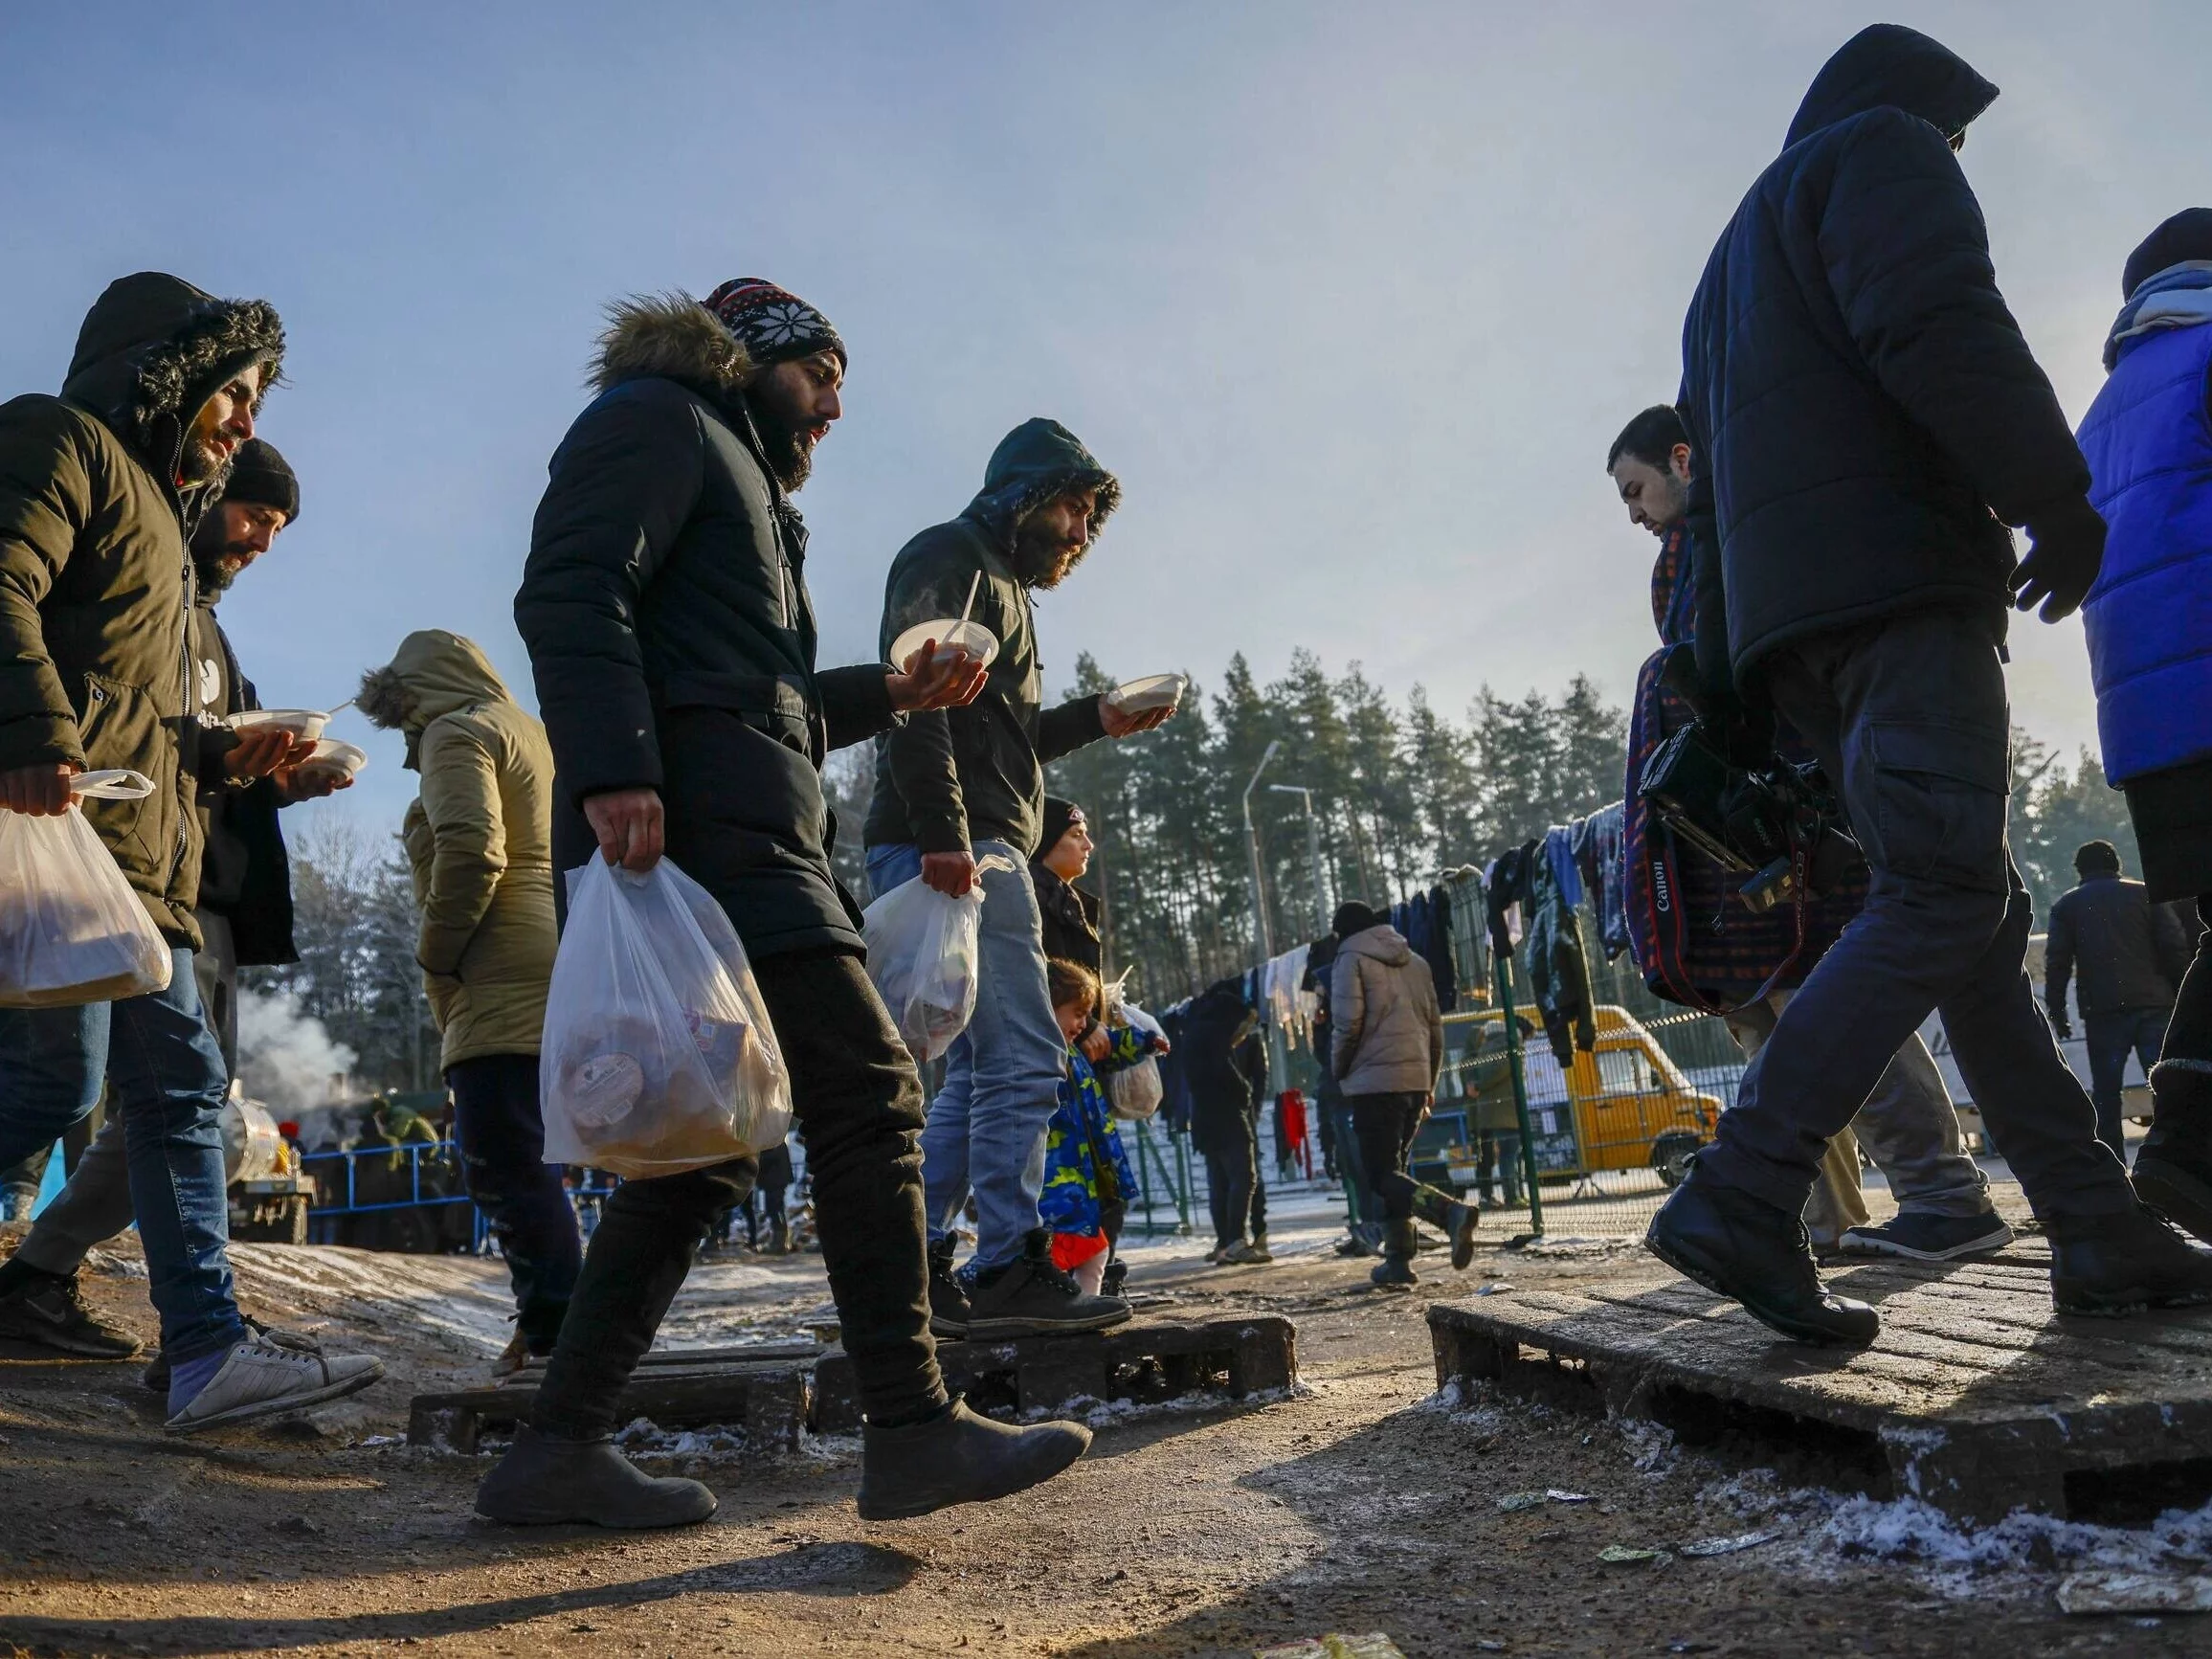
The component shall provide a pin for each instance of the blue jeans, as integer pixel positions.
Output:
(2111, 1037)
(164, 1078)
(987, 1126)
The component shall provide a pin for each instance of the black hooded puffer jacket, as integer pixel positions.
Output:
(1868, 415)
(947, 779)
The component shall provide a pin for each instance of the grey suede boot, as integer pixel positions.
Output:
(1394, 1271)
(546, 1482)
(1455, 1219)
(958, 1458)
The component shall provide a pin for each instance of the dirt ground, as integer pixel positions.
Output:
(1362, 1502)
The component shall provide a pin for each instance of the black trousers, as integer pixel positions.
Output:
(1236, 1195)
(1909, 719)
(859, 1114)
(1386, 1125)
(502, 1155)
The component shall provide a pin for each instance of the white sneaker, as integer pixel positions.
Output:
(273, 1371)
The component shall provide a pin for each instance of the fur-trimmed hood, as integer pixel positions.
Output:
(672, 336)
(1035, 461)
(154, 349)
(433, 673)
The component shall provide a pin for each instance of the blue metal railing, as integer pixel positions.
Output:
(589, 1188)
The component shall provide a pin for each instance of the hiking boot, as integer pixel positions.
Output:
(958, 1458)
(1114, 1282)
(1924, 1238)
(2174, 1166)
(1031, 1297)
(272, 1373)
(1753, 1253)
(1394, 1271)
(1454, 1217)
(51, 1311)
(1244, 1255)
(947, 1296)
(544, 1481)
(2124, 1263)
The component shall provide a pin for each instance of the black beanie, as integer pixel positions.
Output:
(1352, 917)
(1060, 815)
(2096, 855)
(260, 476)
(2186, 236)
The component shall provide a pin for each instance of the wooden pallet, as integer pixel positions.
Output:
(767, 1391)
(1232, 1356)
(1976, 1397)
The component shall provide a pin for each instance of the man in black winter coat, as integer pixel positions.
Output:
(2131, 954)
(1870, 421)
(955, 789)
(665, 609)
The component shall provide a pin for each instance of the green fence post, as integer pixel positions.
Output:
(1520, 1094)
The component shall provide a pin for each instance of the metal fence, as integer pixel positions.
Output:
(400, 1196)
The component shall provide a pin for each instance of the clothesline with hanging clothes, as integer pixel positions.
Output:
(1534, 895)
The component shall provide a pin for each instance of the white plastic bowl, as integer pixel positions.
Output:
(331, 755)
(951, 635)
(298, 722)
(1152, 691)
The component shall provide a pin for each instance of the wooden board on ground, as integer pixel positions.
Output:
(1977, 1396)
(1145, 1361)
(768, 1398)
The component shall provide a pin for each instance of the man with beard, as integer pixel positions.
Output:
(665, 609)
(244, 911)
(954, 788)
(1867, 420)
(97, 488)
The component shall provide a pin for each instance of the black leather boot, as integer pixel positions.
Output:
(1747, 1249)
(958, 1458)
(1451, 1217)
(545, 1482)
(1394, 1271)
(1031, 1297)
(2174, 1168)
(2124, 1263)
(947, 1296)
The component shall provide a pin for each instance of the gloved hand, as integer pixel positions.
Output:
(2068, 549)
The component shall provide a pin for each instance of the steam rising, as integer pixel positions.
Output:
(286, 1060)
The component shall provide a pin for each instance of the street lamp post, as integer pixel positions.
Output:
(1264, 937)
(1312, 851)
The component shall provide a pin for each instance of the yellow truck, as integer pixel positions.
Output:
(1627, 1105)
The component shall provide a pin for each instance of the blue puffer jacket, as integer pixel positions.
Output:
(1866, 414)
(2149, 441)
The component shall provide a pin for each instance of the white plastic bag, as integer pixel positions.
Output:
(1137, 1091)
(922, 951)
(71, 930)
(659, 1056)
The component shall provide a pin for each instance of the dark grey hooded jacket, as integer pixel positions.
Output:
(1866, 414)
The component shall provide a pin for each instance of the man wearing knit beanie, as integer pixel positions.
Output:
(665, 606)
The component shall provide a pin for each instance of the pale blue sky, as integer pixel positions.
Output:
(1353, 298)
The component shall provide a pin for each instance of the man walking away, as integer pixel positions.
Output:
(1908, 1125)
(1217, 1028)
(1387, 1047)
(665, 609)
(98, 488)
(2149, 441)
(2130, 954)
(1867, 420)
(479, 844)
(952, 788)
(244, 908)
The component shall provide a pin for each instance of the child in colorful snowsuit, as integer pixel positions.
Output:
(1087, 1178)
